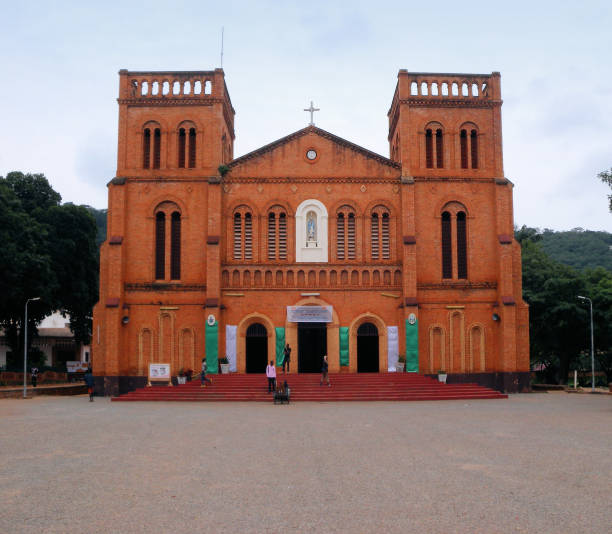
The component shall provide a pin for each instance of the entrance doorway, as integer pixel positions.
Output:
(367, 348)
(312, 346)
(256, 348)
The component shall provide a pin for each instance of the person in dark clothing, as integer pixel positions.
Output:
(89, 381)
(203, 377)
(34, 376)
(287, 358)
(325, 371)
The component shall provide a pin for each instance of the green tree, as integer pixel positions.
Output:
(48, 251)
(606, 178)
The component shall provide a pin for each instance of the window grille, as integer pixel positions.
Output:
(461, 246)
(160, 246)
(464, 150)
(386, 248)
(351, 236)
(192, 148)
(447, 252)
(156, 148)
(340, 236)
(181, 148)
(175, 246)
(282, 236)
(146, 149)
(375, 242)
(237, 237)
(248, 237)
(439, 149)
(474, 145)
(428, 149)
(271, 237)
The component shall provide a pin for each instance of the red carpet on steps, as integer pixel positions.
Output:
(305, 387)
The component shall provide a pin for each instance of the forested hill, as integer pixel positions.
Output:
(100, 217)
(578, 248)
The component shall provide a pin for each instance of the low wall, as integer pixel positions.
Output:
(60, 389)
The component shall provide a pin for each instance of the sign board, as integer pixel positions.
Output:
(159, 371)
(76, 367)
(309, 314)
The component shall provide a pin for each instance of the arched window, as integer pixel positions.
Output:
(428, 149)
(439, 149)
(461, 246)
(447, 248)
(277, 234)
(345, 233)
(469, 146)
(186, 148)
(243, 234)
(380, 233)
(160, 246)
(434, 151)
(175, 247)
(454, 225)
(151, 146)
(167, 222)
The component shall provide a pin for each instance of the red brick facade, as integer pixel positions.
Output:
(427, 232)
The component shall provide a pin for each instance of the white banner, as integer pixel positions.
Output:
(230, 346)
(159, 371)
(392, 348)
(309, 314)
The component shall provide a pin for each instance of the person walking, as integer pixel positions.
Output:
(287, 358)
(89, 381)
(325, 371)
(271, 374)
(203, 377)
(34, 376)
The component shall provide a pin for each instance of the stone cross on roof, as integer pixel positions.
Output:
(312, 109)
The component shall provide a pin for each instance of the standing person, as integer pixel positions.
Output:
(271, 374)
(203, 377)
(89, 381)
(34, 375)
(287, 358)
(325, 371)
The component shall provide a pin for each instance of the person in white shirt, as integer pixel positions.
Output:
(271, 374)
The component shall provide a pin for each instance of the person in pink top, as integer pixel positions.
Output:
(271, 374)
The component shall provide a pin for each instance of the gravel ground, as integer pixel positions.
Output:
(532, 463)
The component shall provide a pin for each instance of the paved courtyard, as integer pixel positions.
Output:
(532, 463)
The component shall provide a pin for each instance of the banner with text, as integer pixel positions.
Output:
(309, 314)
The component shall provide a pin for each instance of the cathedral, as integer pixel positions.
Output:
(380, 263)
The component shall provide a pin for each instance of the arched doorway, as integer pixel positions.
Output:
(256, 348)
(367, 348)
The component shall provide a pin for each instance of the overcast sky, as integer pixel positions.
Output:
(59, 83)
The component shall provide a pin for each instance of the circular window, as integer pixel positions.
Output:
(311, 154)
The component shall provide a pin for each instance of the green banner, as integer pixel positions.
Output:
(212, 347)
(280, 345)
(412, 346)
(344, 346)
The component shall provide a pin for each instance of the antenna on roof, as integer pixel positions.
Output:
(222, 28)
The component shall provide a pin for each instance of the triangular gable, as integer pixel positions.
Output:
(281, 157)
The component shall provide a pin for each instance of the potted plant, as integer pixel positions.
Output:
(224, 364)
(442, 376)
(181, 378)
(401, 363)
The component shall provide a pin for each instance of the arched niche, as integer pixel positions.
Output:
(311, 236)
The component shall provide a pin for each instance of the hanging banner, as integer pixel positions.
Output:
(412, 344)
(309, 314)
(230, 346)
(212, 344)
(344, 346)
(280, 345)
(392, 348)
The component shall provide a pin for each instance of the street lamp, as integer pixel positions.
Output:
(592, 344)
(25, 347)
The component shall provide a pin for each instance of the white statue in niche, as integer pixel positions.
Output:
(311, 226)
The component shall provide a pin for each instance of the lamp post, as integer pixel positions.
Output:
(25, 347)
(592, 344)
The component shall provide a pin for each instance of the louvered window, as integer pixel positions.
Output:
(375, 237)
(428, 149)
(248, 237)
(447, 251)
(271, 237)
(461, 246)
(340, 236)
(175, 247)
(282, 236)
(439, 149)
(386, 248)
(351, 236)
(181, 148)
(464, 149)
(156, 148)
(192, 148)
(146, 148)
(160, 246)
(474, 146)
(237, 237)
